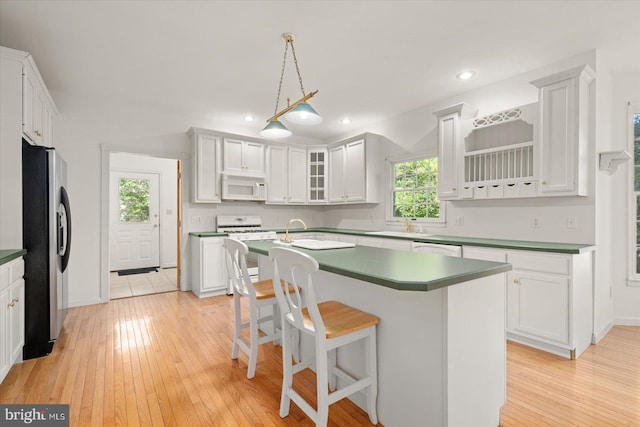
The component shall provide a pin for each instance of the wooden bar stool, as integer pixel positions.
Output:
(332, 325)
(260, 294)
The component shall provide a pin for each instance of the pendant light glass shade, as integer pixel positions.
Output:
(303, 114)
(275, 129)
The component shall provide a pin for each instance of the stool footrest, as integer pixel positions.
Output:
(356, 385)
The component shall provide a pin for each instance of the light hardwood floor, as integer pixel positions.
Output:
(164, 359)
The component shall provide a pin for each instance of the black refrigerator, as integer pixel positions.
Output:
(46, 233)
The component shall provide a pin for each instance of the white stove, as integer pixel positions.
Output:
(243, 228)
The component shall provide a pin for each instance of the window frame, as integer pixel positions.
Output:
(633, 276)
(391, 162)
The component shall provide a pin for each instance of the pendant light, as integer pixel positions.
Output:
(300, 112)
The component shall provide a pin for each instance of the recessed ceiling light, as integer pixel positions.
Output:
(465, 75)
(345, 121)
(249, 118)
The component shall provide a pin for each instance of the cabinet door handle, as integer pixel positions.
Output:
(16, 299)
(37, 132)
(453, 189)
(11, 305)
(543, 182)
(516, 281)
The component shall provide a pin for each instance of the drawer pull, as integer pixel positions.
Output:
(516, 281)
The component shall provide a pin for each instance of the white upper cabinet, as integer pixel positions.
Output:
(243, 157)
(317, 172)
(297, 175)
(354, 170)
(451, 148)
(286, 171)
(37, 106)
(205, 167)
(563, 137)
(336, 174)
(355, 185)
(533, 150)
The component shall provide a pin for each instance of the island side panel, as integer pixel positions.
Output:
(475, 352)
(410, 348)
(414, 375)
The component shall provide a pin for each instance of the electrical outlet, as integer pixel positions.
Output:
(459, 221)
(195, 220)
(535, 222)
(572, 222)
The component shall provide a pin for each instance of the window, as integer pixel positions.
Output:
(134, 200)
(635, 132)
(414, 190)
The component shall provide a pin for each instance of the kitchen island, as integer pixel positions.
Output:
(441, 336)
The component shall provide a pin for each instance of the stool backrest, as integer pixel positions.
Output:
(236, 262)
(295, 268)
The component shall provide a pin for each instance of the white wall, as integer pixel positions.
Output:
(602, 293)
(167, 169)
(416, 131)
(626, 299)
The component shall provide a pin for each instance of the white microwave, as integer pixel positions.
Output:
(238, 187)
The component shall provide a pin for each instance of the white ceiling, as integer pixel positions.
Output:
(370, 59)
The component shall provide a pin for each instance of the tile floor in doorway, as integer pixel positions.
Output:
(164, 280)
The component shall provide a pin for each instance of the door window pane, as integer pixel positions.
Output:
(134, 200)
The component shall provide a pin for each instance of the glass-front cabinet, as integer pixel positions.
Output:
(317, 175)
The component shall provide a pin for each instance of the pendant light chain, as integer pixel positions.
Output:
(295, 60)
(298, 112)
(284, 61)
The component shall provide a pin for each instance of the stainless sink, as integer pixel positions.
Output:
(408, 234)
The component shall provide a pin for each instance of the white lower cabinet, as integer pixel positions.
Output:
(11, 314)
(538, 306)
(208, 272)
(549, 298)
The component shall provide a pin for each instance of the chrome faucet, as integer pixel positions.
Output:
(288, 239)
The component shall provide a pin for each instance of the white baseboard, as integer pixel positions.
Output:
(627, 321)
(595, 338)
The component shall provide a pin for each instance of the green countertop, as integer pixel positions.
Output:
(565, 248)
(401, 270)
(207, 234)
(7, 255)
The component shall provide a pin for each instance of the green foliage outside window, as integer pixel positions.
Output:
(415, 189)
(134, 200)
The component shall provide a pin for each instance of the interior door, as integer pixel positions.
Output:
(134, 220)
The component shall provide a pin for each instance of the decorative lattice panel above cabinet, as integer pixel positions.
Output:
(499, 154)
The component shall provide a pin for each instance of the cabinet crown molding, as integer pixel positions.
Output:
(12, 54)
(465, 110)
(584, 71)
